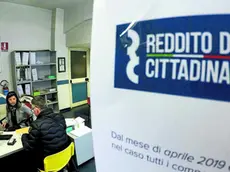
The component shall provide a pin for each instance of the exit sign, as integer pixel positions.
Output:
(4, 46)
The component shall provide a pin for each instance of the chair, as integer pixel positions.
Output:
(58, 161)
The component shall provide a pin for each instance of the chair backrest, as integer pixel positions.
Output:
(88, 100)
(58, 161)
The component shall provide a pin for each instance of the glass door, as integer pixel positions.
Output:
(79, 76)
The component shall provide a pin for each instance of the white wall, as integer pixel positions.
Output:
(24, 27)
(78, 24)
(59, 44)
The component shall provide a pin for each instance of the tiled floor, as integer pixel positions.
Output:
(83, 110)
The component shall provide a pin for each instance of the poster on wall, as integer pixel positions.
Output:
(168, 81)
(4, 46)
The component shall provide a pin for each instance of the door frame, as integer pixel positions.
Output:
(81, 80)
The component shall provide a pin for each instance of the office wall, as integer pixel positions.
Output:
(78, 24)
(24, 27)
(59, 44)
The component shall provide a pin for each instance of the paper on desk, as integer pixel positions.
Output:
(81, 131)
(70, 121)
(22, 130)
(79, 120)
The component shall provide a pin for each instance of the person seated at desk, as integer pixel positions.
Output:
(17, 114)
(47, 134)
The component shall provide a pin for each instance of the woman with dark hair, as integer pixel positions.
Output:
(17, 113)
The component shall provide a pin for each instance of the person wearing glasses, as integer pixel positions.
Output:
(47, 134)
(18, 115)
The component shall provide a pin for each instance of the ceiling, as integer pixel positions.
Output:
(47, 4)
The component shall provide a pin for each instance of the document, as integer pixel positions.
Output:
(27, 89)
(34, 74)
(24, 130)
(70, 121)
(18, 60)
(32, 58)
(20, 90)
(25, 58)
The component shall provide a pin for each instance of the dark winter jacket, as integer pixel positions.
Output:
(47, 135)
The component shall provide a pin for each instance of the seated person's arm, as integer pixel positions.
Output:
(5, 121)
(61, 119)
(29, 141)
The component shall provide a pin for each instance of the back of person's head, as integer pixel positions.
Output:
(12, 100)
(38, 104)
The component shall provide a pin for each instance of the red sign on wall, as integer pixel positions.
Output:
(4, 46)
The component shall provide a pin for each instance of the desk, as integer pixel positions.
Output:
(6, 150)
(83, 143)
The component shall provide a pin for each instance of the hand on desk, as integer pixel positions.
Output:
(4, 124)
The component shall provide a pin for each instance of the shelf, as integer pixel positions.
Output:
(47, 64)
(23, 82)
(22, 66)
(53, 92)
(44, 80)
(52, 103)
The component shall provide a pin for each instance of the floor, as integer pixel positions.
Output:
(82, 111)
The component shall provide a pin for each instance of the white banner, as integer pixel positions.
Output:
(160, 85)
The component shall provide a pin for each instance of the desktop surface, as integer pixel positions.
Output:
(5, 149)
(6, 136)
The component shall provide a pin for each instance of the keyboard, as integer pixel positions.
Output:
(5, 137)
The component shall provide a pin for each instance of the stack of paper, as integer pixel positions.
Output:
(79, 120)
(80, 132)
(70, 121)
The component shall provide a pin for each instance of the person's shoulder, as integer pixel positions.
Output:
(35, 124)
(58, 116)
(23, 107)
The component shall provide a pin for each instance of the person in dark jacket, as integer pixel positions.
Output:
(47, 134)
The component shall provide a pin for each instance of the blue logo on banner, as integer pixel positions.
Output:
(187, 56)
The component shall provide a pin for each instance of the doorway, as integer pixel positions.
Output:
(79, 76)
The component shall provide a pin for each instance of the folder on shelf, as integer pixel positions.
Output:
(22, 74)
(32, 58)
(25, 58)
(18, 75)
(20, 90)
(34, 74)
(26, 74)
(18, 60)
(29, 74)
(27, 89)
